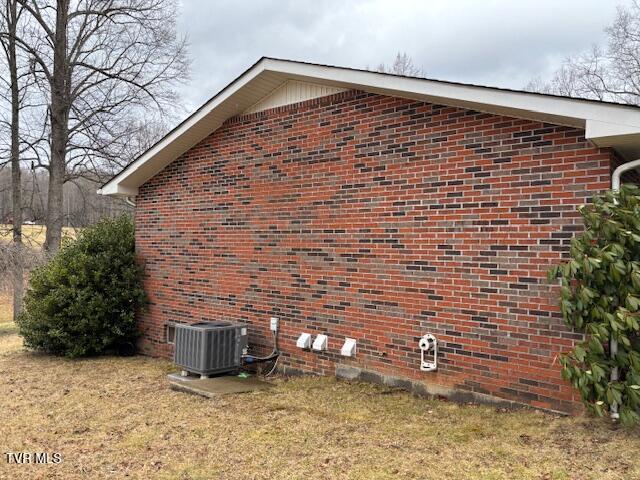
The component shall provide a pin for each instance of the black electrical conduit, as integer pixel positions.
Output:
(248, 359)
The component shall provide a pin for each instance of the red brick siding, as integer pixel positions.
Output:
(381, 219)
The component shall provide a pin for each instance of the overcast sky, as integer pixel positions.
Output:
(492, 42)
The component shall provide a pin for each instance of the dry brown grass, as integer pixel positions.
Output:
(6, 310)
(117, 418)
(33, 235)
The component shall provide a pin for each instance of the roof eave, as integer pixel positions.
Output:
(607, 125)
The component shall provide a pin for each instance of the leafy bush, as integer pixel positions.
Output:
(600, 295)
(83, 301)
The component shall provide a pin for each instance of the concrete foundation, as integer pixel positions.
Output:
(216, 386)
(422, 389)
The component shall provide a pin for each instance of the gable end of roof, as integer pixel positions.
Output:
(270, 82)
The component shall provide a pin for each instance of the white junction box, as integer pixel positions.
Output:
(304, 340)
(320, 343)
(349, 347)
(274, 324)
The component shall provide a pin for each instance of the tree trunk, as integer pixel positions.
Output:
(59, 130)
(16, 181)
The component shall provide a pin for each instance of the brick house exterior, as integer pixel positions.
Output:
(378, 218)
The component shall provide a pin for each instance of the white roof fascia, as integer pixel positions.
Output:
(577, 110)
(113, 187)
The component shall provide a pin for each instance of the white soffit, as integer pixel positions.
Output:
(293, 91)
(270, 81)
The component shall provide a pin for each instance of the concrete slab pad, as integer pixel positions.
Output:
(216, 386)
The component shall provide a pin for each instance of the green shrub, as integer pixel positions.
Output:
(83, 301)
(600, 295)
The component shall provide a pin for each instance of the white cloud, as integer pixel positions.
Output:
(495, 42)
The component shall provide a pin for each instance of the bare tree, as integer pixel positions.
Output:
(610, 72)
(9, 18)
(402, 65)
(100, 64)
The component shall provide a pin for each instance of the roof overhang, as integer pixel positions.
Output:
(606, 124)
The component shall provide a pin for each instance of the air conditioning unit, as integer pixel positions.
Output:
(210, 348)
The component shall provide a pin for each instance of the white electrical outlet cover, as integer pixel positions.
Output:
(349, 347)
(304, 340)
(274, 324)
(320, 343)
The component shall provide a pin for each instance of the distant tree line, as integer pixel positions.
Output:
(82, 206)
(402, 65)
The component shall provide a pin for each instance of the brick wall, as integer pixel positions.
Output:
(378, 218)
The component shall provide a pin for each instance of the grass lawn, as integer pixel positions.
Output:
(117, 418)
(6, 312)
(33, 235)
